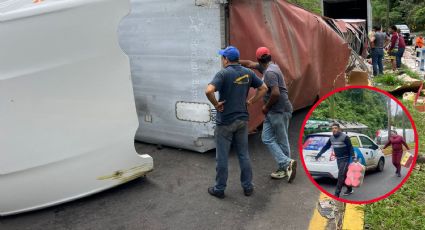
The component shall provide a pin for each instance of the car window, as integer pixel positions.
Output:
(315, 142)
(366, 142)
(355, 141)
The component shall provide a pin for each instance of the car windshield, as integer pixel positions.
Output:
(315, 142)
(403, 27)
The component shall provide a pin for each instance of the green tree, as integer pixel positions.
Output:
(311, 5)
(410, 12)
(356, 105)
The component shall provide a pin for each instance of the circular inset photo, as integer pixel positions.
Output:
(358, 144)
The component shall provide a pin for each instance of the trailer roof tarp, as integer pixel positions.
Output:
(309, 52)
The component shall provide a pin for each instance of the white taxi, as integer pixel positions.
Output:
(367, 152)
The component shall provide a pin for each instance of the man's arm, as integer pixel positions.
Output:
(249, 64)
(372, 37)
(404, 143)
(274, 97)
(261, 91)
(387, 144)
(210, 93)
(324, 149)
(393, 41)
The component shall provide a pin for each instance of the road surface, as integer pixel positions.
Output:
(375, 184)
(174, 196)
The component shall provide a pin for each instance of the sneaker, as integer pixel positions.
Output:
(279, 174)
(292, 171)
(212, 192)
(248, 192)
(348, 192)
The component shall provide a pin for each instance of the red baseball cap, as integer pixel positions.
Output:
(261, 52)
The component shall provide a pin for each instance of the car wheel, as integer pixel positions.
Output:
(381, 164)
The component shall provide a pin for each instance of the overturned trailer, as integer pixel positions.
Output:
(173, 47)
(67, 112)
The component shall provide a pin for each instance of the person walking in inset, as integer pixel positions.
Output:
(396, 141)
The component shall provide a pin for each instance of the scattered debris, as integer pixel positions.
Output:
(409, 96)
(359, 77)
(407, 79)
(327, 208)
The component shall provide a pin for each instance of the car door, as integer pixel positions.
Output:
(356, 146)
(369, 150)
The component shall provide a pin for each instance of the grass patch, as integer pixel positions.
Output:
(387, 88)
(388, 79)
(405, 209)
(419, 120)
(410, 72)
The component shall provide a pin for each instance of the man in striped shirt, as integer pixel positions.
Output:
(344, 152)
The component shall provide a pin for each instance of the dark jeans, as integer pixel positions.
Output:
(398, 56)
(225, 135)
(377, 56)
(342, 174)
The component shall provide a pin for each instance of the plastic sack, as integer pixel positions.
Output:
(407, 159)
(355, 174)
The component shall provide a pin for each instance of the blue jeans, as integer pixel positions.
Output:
(225, 135)
(377, 56)
(399, 55)
(275, 137)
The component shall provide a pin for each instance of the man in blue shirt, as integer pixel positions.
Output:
(233, 84)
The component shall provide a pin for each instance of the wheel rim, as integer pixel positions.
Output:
(381, 165)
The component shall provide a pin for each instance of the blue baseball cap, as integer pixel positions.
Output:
(231, 53)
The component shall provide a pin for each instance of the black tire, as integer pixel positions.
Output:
(381, 164)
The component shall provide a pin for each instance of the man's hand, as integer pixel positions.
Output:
(265, 110)
(316, 157)
(261, 91)
(249, 64)
(220, 106)
(248, 102)
(355, 160)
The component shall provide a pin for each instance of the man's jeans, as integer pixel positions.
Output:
(342, 174)
(377, 56)
(226, 135)
(275, 137)
(399, 55)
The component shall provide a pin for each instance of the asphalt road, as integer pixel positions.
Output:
(174, 196)
(375, 184)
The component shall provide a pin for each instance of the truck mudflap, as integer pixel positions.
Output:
(67, 111)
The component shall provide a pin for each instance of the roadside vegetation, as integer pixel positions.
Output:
(390, 81)
(410, 12)
(311, 5)
(356, 105)
(405, 209)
